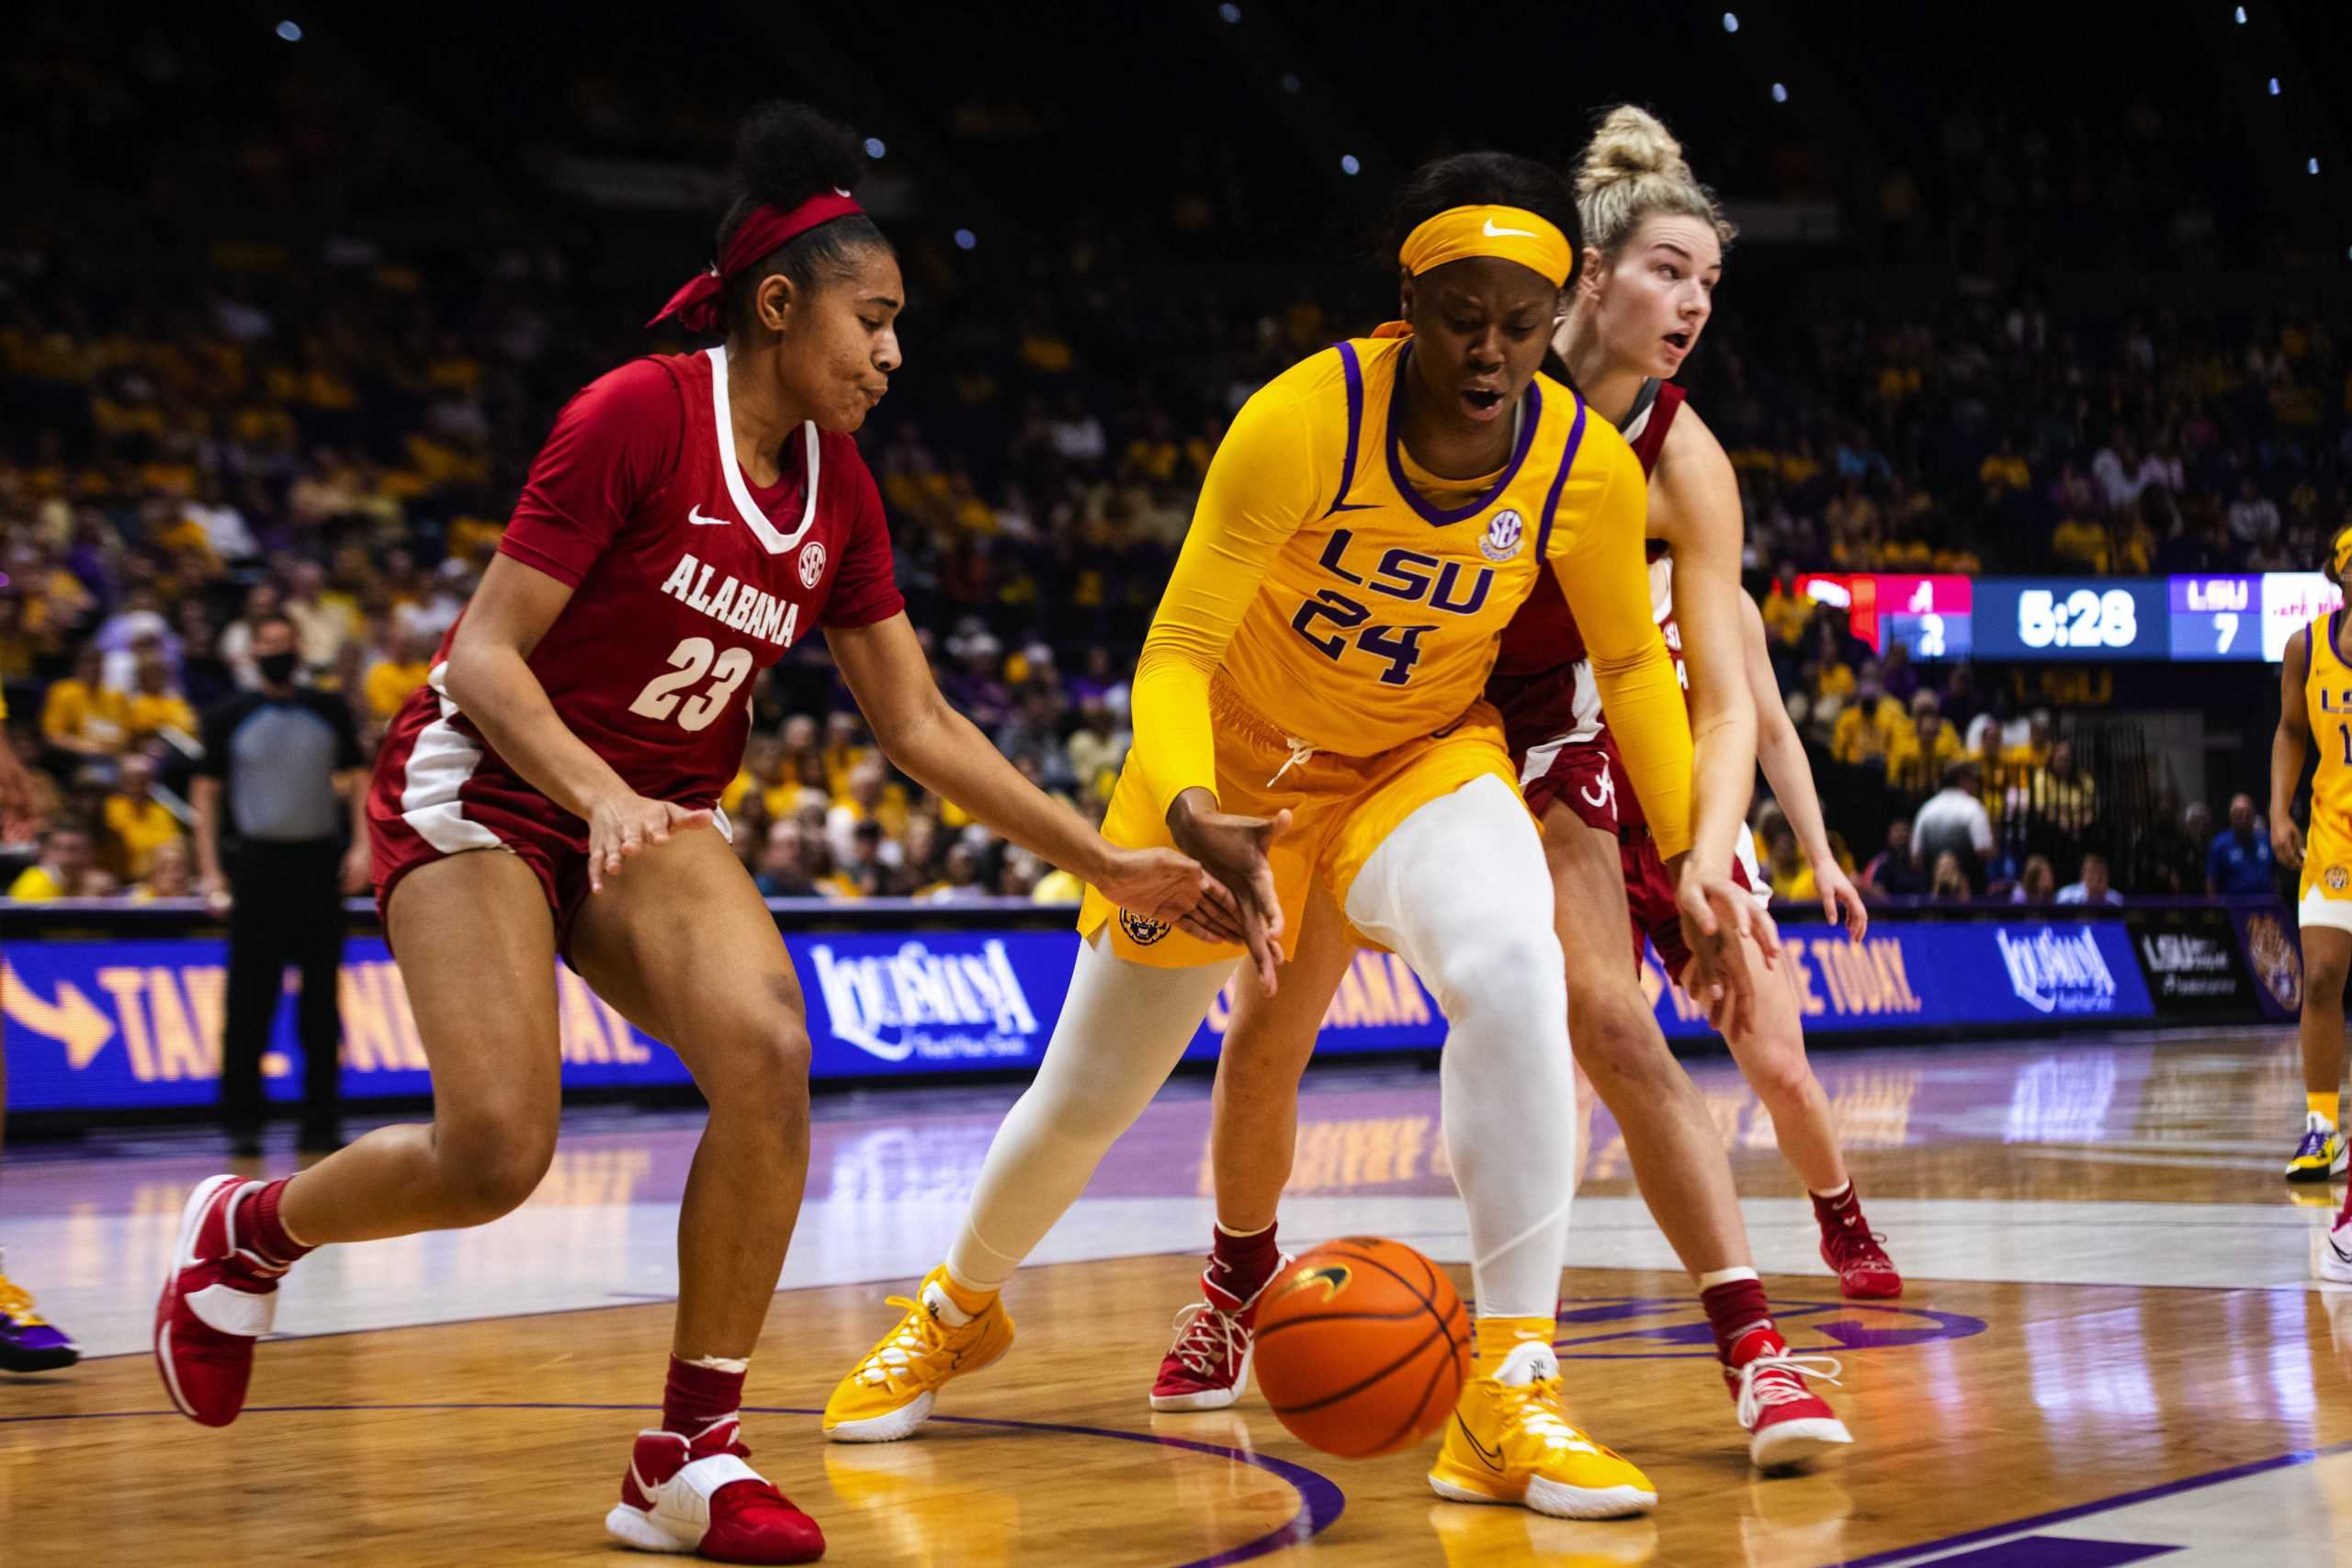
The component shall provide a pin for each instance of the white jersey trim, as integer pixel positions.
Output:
(775, 544)
(438, 766)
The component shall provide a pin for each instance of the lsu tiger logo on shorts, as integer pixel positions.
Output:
(2336, 876)
(1142, 930)
(1503, 536)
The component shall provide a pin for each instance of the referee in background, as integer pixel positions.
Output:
(281, 799)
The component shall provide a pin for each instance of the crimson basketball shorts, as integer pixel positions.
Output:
(438, 793)
(1564, 754)
(1649, 894)
(1552, 723)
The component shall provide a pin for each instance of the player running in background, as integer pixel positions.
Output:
(2315, 710)
(689, 518)
(1654, 243)
(28, 1342)
(1308, 717)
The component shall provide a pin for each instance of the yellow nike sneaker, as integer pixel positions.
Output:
(1510, 1442)
(2321, 1154)
(887, 1395)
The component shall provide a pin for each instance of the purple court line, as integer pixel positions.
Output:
(1320, 1499)
(620, 1300)
(2120, 1500)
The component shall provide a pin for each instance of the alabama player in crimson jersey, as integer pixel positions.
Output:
(689, 518)
(1655, 244)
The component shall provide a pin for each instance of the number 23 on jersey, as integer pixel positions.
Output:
(690, 661)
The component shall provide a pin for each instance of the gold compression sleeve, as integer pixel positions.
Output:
(1260, 490)
(1604, 574)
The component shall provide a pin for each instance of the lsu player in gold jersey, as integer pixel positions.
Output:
(1308, 719)
(2315, 710)
(1654, 240)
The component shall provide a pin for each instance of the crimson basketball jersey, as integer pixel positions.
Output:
(1543, 637)
(686, 580)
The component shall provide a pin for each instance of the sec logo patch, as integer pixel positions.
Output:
(1503, 536)
(2336, 877)
(812, 564)
(1142, 930)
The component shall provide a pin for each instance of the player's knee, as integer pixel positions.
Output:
(1778, 1072)
(1613, 1031)
(769, 1073)
(1512, 971)
(488, 1170)
(2323, 974)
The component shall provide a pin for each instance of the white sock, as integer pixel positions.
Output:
(1837, 1193)
(1224, 1229)
(1460, 891)
(1121, 1032)
(1713, 1277)
(721, 1363)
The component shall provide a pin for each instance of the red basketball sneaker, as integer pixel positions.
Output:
(1208, 1366)
(696, 1494)
(1853, 1251)
(219, 1298)
(1787, 1423)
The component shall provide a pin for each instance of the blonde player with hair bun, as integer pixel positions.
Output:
(2315, 710)
(1655, 241)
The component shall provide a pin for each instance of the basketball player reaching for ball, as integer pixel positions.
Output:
(689, 518)
(1655, 244)
(1308, 717)
(2315, 707)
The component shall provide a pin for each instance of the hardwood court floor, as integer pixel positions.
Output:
(2110, 1320)
(501, 1440)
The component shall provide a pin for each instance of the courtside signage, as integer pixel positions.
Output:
(99, 1025)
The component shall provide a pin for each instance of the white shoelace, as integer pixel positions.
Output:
(917, 1335)
(1756, 1392)
(1539, 1415)
(1301, 753)
(1206, 1338)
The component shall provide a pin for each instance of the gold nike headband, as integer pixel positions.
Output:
(1508, 233)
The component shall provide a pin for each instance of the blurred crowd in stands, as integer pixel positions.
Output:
(334, 432)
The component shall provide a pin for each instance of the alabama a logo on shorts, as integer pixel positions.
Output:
(1142, 930)
(2337, 878)
(812, 563)
(1503, 534)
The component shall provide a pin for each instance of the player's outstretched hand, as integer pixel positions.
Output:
(623, 825)
(1232, 849)
(2286, 840)
(1838, 892)
(1716, 912)
(1168, 886)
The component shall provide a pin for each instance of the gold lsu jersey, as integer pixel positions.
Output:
(2328, 705)
(1355, 614)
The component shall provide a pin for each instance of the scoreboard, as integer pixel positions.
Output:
(2248, 616)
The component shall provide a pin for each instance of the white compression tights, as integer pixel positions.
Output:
(1461, 891)
(1121, 1032)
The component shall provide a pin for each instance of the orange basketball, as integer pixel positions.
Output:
(1361, 1347)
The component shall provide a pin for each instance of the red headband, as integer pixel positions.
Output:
(762, 231)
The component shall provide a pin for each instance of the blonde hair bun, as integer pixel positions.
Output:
(1631, 169)
(1629, 142)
